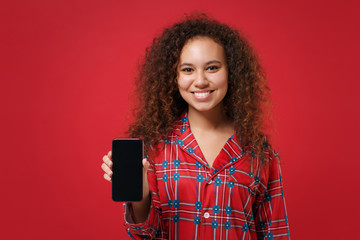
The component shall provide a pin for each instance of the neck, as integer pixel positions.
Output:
(215, 119)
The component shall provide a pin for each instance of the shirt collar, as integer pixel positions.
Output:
(229, 154)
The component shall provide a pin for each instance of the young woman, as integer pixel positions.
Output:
(210, 172)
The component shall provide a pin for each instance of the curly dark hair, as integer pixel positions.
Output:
(160, 104)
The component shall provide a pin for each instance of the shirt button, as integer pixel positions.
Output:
(206, 215)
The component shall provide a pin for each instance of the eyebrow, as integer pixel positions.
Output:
(209, 62)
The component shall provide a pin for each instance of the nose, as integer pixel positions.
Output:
(201, 80)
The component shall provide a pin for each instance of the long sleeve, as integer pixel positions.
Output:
(235, 198)
(270, 213)
(153, 224)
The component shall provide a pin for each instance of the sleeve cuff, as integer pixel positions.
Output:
(129, 220)
(128, 213)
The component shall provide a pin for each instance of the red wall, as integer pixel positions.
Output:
(66, 77)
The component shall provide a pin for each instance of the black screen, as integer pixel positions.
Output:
(127, 179)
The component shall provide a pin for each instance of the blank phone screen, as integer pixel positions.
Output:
(127, 179)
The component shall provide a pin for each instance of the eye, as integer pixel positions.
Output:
(187, 70)
(213, 68)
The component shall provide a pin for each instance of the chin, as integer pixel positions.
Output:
(202, 108)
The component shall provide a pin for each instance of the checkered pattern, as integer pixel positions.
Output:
(234, 199)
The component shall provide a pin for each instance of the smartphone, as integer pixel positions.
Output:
(127, 178)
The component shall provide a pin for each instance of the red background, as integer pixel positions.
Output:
(66, 78)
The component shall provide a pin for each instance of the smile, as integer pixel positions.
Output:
(202, 94)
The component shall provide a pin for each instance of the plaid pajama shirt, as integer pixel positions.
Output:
(234, 199)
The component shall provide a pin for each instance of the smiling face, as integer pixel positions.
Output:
(202, 74)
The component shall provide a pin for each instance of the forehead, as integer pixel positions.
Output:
(202, 48)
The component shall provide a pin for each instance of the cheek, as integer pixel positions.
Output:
(220, 81)
(184, 83)
(223, 80)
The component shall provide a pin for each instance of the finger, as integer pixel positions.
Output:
(106, 169)
(107, 161)
(110, 154)
(107, 177)
(146, 164)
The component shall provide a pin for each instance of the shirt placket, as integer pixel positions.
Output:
(208, 202)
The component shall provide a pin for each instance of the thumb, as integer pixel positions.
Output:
(146, 164)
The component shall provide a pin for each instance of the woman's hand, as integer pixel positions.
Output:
(107, 167)
(140, 209)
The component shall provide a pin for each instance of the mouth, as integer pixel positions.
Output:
(202, 94)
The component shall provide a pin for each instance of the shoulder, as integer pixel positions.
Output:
(270, 165)
(154, 151)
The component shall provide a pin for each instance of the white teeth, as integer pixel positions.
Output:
(202, 94)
